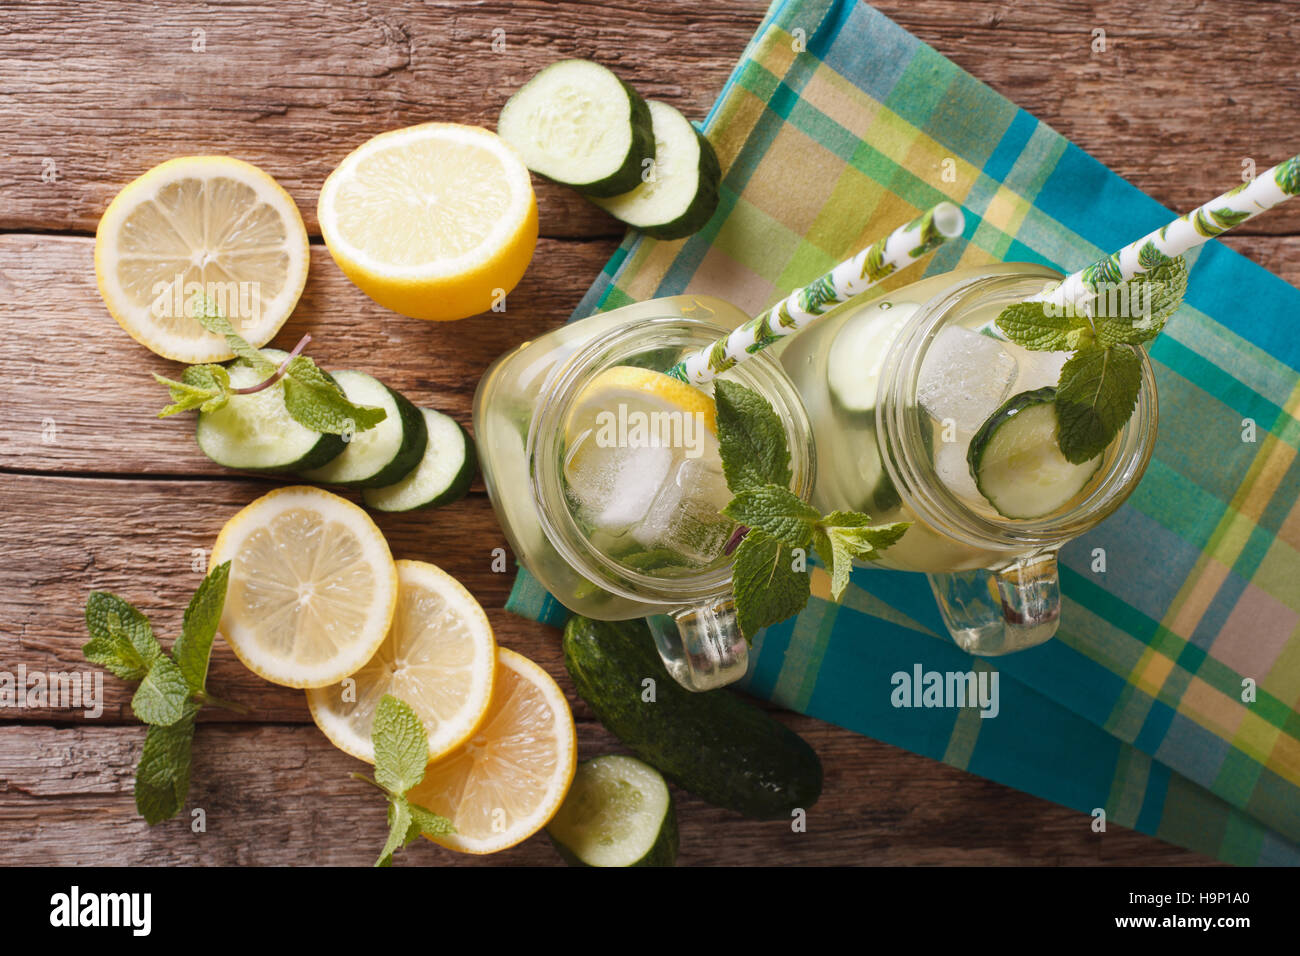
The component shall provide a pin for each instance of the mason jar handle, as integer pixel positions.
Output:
(999, 612)
(702, 646)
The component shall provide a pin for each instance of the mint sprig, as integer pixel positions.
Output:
(310, 396)
(766, 585)
(172, 687)
(401, 756)
(1099, 384)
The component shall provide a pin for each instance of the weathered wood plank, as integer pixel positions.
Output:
(281, 796)
(76, 392)
(294, 86)
(139, 539)
(61, 343)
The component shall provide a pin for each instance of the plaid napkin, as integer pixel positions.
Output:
(836, 126)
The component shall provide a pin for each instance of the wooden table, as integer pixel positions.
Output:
(97, 493)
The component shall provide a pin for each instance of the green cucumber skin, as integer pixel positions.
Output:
(713, 744)
(415, 436)
(458, 488)
(326, 449)
(662, 853)
(703, 206)
(641, 149)
(980, 440)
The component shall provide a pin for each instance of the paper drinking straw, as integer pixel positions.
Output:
(902, 247)
(1183, 234)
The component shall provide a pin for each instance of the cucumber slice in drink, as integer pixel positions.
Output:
(1016, 460)
(381, 455)
(256, 433)
(578, 124)
(683, 192)
(442, 476)
(857, 354)
(618, 813)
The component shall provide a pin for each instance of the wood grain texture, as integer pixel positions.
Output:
(99, 494)
(1174, 104)
(58, 332)
(276, 795)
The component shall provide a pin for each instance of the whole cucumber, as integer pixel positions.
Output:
(712, 744)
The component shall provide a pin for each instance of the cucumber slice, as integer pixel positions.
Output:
(858, 351)
(1016, 460)
(577, 123)
(442, 476)
(618, 813)
(255, 432)
(684, 191)
(381, 455)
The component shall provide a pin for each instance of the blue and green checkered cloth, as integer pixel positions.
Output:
(1169, 697)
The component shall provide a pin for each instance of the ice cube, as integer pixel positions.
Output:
(965, 377)
(1038, 369)
(952, 468)
(686, 516)
(615, 487)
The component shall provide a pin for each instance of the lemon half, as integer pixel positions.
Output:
(436, 221)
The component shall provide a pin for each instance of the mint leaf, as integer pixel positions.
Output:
(399, 824)
(163, 695)
(121, 639)
(401, 746)
(211, 318)
(427, 822)
(162, 779)
(316, 402)
(767, 588)
(1029, 324)
(776, 511)
(193, 648)
(1137, 310)
(751, 439)
(843, 536)
(1099, 387)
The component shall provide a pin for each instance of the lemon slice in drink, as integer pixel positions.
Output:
(508, 780)
(207, 224)
(640, 389)
(312, 586)
(436, 221)
(626, 393)
(439, 657)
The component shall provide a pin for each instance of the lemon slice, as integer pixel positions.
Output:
(208, 224)
(638, 389)
(312, 586)
(436, 221)
(439, 657)
(508, 780)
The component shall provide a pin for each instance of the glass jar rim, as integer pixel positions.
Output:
(935, 504)
(545, 445)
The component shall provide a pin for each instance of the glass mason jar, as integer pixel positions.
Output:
(896, 385)
(520, 412)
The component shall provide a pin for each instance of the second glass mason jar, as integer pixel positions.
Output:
(523, 414)
(897, 385)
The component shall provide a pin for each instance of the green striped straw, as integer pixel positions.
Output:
(898, 250)
(1185, 233)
